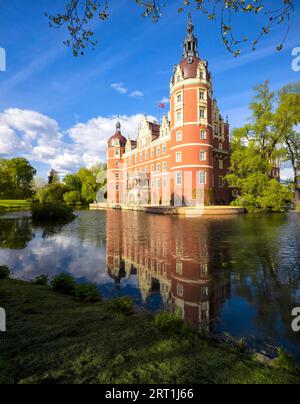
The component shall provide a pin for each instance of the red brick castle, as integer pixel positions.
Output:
(183, 160)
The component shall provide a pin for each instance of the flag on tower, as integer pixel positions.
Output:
(161, 105)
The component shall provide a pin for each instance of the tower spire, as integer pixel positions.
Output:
(118, 125)
(190, 45)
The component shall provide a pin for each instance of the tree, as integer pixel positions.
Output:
(53, 177)
(290, 107)
(257, 149)
(72, 197)
(16, 176)
(73, 182)
(78, 16)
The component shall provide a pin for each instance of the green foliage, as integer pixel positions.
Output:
(286, 362)
(77, 188)
(72, 182)
(4, 272)
(72, 198)
(16, 176)
(257, 151)
(123, 306)
(88, 293)
(41, 280)
(64, 283)
(86, 345)
(171, 323)
(52, 213)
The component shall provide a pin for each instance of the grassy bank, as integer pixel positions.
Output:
(14, 204)
(53, 339)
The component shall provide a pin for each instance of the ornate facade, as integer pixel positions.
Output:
(183, 160)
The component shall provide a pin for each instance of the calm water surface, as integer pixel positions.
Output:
(239, 275)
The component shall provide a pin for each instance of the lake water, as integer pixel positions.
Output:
(239, 275)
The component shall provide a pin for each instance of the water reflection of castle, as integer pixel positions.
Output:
(170, 257)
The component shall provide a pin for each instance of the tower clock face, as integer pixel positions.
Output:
(190, 59)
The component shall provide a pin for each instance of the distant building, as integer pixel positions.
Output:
(183, 160)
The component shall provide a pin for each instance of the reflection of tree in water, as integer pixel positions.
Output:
(15, 234)
(266, 275)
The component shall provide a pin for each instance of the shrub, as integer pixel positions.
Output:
(88, 293)
(50, 212)
(64, 283)
(286, 362)
(123, 306)
(169, 322)
(72, 198)
(4, 272)
(41, 280)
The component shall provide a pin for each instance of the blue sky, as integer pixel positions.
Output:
(57, 110)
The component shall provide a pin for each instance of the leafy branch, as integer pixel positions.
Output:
(78, 15)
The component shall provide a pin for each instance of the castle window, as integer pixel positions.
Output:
(146, 156)
(221, 164)
(178, 116)
(117, 187)
(164, 183)
(201, 75)
(221, 182)
(235, 193)
(117, 153)
(117, 175)
(178, 98)
(164, 149)
(179, 136)
(202, 155)
(152, 152)
(152, 168)
(201, 95)
(202, 177)
(158, 151)
(158, 168)
(146, 170)
(178, 78)
(178, 178)
(117, 164)
(203, 134)
(180, 290)
(178, 157)
(141, 157)
(179, 267)
(202, 113)
(164, 167)
(220, 146)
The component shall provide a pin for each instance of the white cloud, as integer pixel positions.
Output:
(165, 100)
(120, 88)
(286, 173)
(136, 94)
(39, 138)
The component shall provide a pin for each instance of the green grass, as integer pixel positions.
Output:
(53, 339)
(14, 204)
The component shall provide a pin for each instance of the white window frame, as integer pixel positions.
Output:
(200, 177)
(202, 155)
(179, 136)
(178, 157)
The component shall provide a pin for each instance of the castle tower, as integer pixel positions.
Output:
(115, 151)
(191, 116)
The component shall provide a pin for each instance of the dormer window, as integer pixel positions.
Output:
(178, 78)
